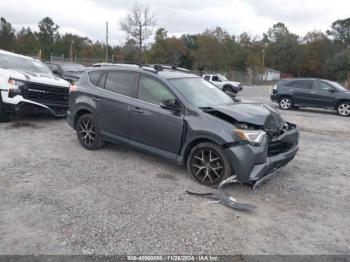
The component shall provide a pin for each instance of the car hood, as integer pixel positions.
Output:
(255, 114)
(40, 79)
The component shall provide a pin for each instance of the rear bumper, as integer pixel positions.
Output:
(253, 163)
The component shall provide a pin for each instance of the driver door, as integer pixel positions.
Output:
(152, 125)
(323, 94)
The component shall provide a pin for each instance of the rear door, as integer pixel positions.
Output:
(152, 125)
(301, 91)
(323, 94)
(113, 103)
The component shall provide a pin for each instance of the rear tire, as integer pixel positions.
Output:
(89, 132)
(343, 109)
(208, 164)
(4, 117)
(286, 103)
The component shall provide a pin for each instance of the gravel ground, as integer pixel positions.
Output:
(58, 198)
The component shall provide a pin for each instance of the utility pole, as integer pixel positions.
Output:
(106, 42)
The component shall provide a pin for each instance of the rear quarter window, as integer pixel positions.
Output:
(95, 77)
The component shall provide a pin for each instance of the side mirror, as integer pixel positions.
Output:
(331, 90)
(170, 104)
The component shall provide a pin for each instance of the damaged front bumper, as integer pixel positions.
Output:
(253, 163)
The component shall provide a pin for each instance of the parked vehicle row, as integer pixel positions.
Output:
(182, 117)
(308, 92)
(68, 71)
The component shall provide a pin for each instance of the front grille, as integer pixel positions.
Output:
(48, 95)
(278, 147)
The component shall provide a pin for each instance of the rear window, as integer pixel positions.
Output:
(121, 82)
(95, 77)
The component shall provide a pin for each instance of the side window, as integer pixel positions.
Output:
(153, 91)
(216, 79)
(121, 82)
(95, 77)
(304, 84)
(207, 78)
(322, 86)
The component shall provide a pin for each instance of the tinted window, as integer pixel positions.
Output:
(216, 79)
(53, 67)
(153, 91)
(322, 86)
(305, 84)
(207, 78)
(121, 82)
(95, 77)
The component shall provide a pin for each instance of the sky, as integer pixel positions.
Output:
(88, 17)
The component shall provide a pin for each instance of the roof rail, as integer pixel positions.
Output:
(160, 67)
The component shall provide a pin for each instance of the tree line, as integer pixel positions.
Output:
(317, 54)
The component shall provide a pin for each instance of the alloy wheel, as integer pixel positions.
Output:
(207, 166)
(285, 103)
(87, 133)
(344, 109)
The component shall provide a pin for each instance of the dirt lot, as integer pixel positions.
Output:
(58, 198)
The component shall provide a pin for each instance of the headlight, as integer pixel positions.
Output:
(253, 137)
(15, 84)
(15, 87)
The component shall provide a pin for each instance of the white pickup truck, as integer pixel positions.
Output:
(221, 82)
(26, 84)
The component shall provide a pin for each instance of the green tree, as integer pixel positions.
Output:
(26, 42)
(7, 35)
(47, 36)
(340, 31)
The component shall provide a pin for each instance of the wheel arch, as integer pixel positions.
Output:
(193, 142)
(341, 101)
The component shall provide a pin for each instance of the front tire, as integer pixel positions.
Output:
(208, 164)
(343, 109)
(286, 103)
(229, 89)
(89, 132)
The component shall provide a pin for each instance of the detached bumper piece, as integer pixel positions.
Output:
(252, 164)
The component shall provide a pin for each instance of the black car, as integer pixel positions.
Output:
(68, 71)
(307, 92)
(180, 116)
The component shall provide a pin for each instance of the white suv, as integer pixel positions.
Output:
(26, 84)
(221, 82)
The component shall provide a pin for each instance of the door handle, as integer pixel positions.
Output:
(137, 110)
(96, 99)
(313, 92)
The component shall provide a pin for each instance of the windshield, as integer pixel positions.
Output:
(223, 78)
(200, 92)
(73, 67)
(23, 64)
(338, 86)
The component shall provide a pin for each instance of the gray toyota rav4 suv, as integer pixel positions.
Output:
(177, 115)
